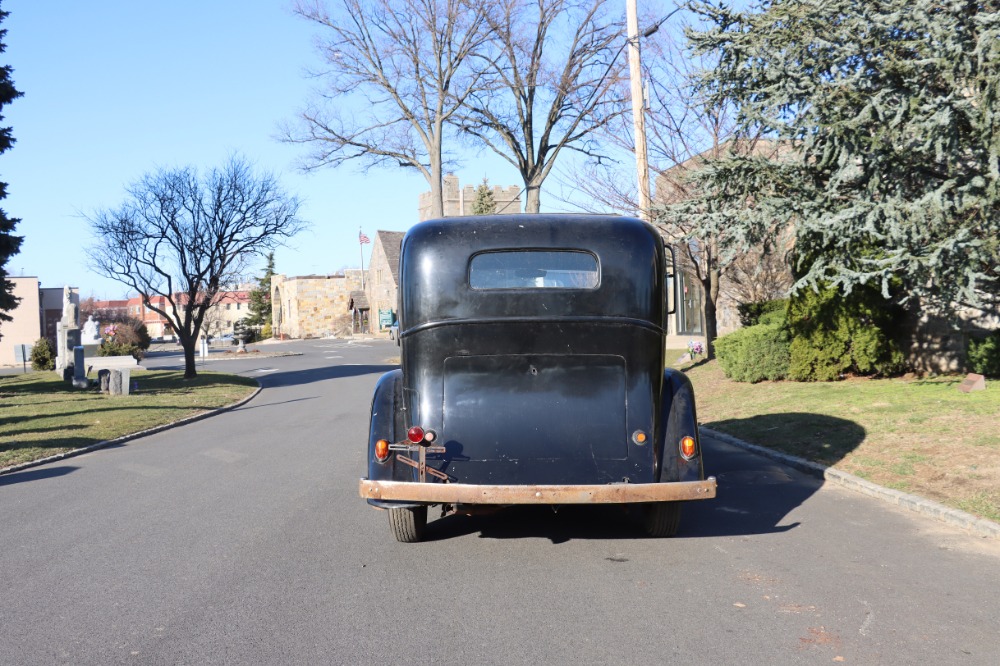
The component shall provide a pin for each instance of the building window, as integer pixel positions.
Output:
(228, 305)
(689, 311)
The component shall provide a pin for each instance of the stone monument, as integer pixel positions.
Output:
(89, 333)
(90, 336)
(67, 334)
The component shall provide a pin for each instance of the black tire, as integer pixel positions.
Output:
(408, 525)
(662, 519)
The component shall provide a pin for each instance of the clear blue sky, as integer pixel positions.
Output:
(116, 88)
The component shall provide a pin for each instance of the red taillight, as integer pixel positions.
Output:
(688, 448)
(382, 450)
(415, 434)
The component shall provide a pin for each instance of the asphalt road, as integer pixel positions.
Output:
(240, 539)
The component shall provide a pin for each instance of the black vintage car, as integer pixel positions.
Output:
(532, 354)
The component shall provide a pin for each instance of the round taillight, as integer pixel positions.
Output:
(688, 448)
(382, 450)
(415, 434)
(639, 437)
(429, 436)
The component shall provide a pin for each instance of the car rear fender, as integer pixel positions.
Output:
(678, 419)
(387, 423)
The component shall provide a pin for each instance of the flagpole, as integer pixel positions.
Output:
(362, 246)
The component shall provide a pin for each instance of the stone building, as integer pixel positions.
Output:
(313, 306)
(459, 200)
(771, 277)
(382, 282)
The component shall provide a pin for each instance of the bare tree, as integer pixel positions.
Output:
(395, 72)
(548, 84)
(183, 237)
(685, 134)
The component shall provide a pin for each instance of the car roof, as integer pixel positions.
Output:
(435, 257)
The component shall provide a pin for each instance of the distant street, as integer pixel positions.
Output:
(241, 539)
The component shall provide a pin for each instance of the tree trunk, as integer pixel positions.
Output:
(437, 189)
(532, 198)
(189, 345)
(711, 327)
(710, 285)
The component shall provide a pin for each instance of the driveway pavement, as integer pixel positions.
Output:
(240, 539)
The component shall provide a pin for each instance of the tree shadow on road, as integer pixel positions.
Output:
(35, 475)
(310, 375)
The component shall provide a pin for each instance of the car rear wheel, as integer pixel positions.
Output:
(408, 525)
(662, 519)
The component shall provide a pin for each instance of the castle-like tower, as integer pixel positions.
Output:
(459, 200)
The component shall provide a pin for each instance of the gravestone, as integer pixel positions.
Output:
(104, 378)
(79, 369)
(972, 382)
(115, 383)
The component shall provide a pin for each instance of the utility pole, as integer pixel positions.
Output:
(638, 108)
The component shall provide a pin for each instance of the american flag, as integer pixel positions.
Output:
(362, 238)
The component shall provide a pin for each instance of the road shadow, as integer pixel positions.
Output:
(756, 493)
(755, 496)
(559, 525)
(310, 375)
(35, 475)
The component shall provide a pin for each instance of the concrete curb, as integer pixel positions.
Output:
(126, 438)
(975, 525)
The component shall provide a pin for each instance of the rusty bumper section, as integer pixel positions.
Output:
(460, 493)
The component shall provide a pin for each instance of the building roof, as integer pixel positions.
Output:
(359, 301)
(391, 242)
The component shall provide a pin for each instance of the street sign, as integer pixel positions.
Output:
(22, 353)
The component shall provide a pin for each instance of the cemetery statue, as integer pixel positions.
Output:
(70, 312)
(90, 335)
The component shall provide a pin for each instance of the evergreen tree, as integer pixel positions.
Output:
(9, 243)
(260, 298)
(484, 204)
(888, 116)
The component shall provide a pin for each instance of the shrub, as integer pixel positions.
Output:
(776, 316)
(833, 335)
(43, 357)
(762, 312)
(755, 353)
(113, 347)
(125, 338)
(984, 355)
(133, 332)
(265, 332)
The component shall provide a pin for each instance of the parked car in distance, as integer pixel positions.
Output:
(394, 332)
(533, 372)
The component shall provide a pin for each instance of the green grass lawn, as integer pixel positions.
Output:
(40, 415)
(922, 436)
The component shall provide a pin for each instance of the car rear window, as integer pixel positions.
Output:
(534, 269)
